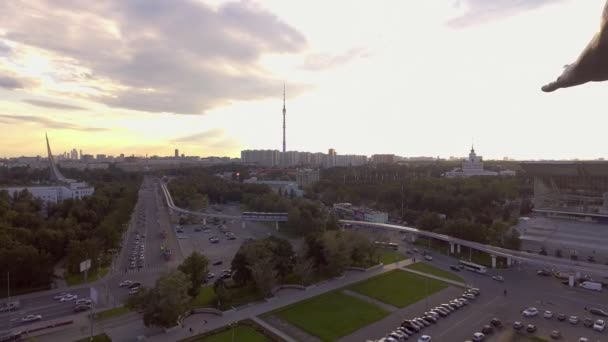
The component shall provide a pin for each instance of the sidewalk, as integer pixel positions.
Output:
(196, 321)
(446, 280)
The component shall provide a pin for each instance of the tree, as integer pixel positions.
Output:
(164, 304)
(512, 240)
(332, 222)
(336, 253)
(428, 221)
(303, 269)
(264, 275)
(195, 268)
(219, 287)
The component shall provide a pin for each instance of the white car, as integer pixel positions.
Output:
(31, 318)
(599, 325)
(61, 295)
(424, 338)
(125, 283)
(583, 339)
(69, 298)
(134, 291)
(83, 301)
(530, 312)
(548, 314)
(573, 319)
(477, 337)
(429, 258)
(498, 278)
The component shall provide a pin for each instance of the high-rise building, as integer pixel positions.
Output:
(383, 158)
(81, 154)
(176, 153)
(284, 112)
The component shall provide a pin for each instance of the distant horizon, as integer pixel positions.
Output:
(403, 78)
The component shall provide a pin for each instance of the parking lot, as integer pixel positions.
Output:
(524, 288)
(196, 237)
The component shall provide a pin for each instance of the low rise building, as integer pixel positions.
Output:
(306, 177)
(347, 210)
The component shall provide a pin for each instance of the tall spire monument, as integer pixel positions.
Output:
(284, 112)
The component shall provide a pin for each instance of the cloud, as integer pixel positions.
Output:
(201, 136)
(4, 49)
(180, 56)
(479, 11)
(53, 105)
(46, 123)
(323, 61)
(12, 82)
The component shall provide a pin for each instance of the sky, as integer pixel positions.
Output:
(412, 78)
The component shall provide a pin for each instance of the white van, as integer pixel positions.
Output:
(591, 285)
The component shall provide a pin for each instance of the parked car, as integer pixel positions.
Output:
(518, 325)
(134, 291)
(498, 278)
(496, 322)
(598, 312)
(556, 334)
(83, 301)
(548, 314)
(478, 337)
(530, 312)
(486, 329)
(424, 338)
(455, 268)
(429, 318)
(561, 317)
(573, 319)
(599, 325)
(134, 285)
(428, 257)
(531, 328)
(588, 322)
(217, 262)
(31, 318)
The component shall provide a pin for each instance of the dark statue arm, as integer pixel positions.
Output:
(591, 65)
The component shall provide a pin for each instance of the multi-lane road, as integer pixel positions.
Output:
(149, 218)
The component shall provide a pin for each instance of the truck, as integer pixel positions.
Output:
(591, 285)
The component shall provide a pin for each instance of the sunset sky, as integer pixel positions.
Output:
(411, 78)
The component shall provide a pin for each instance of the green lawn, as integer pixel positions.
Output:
(399, 288)
(75, 279)
(241, 296)
(387, 256)
(97, 338)
(205, 298)
(111, 313)
(331, 315)
(240, 333)
(426, 268)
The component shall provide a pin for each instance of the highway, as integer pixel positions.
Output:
(40, 304)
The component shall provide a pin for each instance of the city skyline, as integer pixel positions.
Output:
(416, 79)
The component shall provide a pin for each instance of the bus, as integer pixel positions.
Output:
(259, 216)
(472, 267)
(389, 245)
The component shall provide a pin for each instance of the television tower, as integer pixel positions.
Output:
(284, 112)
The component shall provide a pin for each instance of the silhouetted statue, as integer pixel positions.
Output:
(591, 65)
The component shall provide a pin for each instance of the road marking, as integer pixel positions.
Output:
(470, 315)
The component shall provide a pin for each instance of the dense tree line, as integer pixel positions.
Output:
(202, 186)
(480, 209)
(34, 236)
